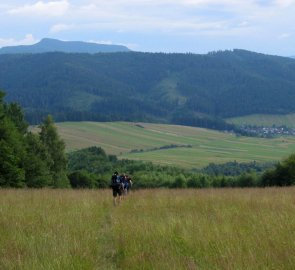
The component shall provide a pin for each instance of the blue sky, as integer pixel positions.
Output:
(196, 26)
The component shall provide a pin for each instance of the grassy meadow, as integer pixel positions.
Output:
(266, 120)
(207, 146)
(151, 229)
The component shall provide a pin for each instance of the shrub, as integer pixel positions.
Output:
(81, 179)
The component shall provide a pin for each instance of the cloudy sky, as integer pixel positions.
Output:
(196, 26)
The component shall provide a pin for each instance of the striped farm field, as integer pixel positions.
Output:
(197, 147)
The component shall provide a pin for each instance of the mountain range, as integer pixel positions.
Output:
(190, 89)
(54, 45)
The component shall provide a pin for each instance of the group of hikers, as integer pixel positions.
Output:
(121, 184)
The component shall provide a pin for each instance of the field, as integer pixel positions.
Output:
(265, 120)
(197, 147)
(151, 229)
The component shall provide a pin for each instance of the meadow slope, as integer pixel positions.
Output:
(151, 229)
(265, 120)
(197, 147)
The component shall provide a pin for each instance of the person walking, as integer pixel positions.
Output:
(117, 187)
(129, 183)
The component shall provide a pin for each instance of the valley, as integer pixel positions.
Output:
(205, 146)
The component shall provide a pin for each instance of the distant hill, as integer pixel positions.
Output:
(266, 120)
(189, 89)
(54, 45)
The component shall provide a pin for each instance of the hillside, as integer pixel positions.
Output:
(266, 120)
(54, 45)
(189, 89)
(180, 146)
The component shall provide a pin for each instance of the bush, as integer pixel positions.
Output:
(282, 175)
(247, 180)
(179, 182)
(81, 179)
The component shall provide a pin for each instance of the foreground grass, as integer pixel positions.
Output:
(151, 229)
(51, 229)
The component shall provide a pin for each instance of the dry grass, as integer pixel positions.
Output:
(151, 229)
(54, 229)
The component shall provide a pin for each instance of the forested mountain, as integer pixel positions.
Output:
(186, 89)
(54, 45)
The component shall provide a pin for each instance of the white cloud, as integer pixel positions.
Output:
(231, 20)
(180, 16)
(40, 8)
(61, 27)
(27, 40)
(131, 46)
(168, 14)
(285, 35)
(107, 42)
(284, 3)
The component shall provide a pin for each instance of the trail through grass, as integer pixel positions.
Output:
(151, 229)
(47, 229)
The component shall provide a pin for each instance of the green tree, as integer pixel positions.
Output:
(180, 182)
(12, 151)
(285, 172)
(247, 180)
(37, 163)
(282, 175)
(93, 159)
(81, 179)
(56, 149)
(15, 113)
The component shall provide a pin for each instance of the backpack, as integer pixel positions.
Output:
(115, 181)
(126, 184)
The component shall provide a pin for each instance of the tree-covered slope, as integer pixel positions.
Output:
(175, 88)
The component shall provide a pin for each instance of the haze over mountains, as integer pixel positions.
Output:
(189, 89)
(54, 45)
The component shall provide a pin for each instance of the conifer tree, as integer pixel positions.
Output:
(12, 151)
(15, 113)
(37, 163)
(56, 150)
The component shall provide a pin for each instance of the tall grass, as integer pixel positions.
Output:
(54, 229)
(151, 229)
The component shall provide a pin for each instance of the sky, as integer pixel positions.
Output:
(172, 26)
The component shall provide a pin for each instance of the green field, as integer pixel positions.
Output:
(206, 145)
(151, 229)
(265, 120)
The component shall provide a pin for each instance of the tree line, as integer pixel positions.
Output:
(37, 160)
(28, 159)
(91, 167)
